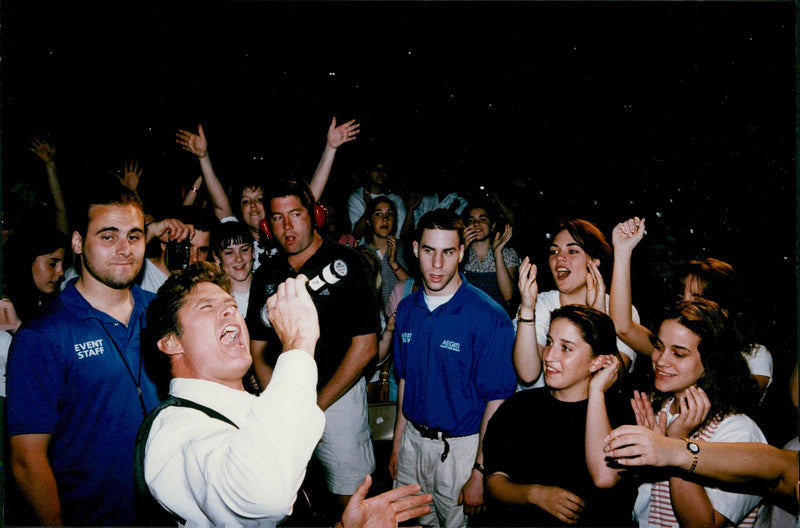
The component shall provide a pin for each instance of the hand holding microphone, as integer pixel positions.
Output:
(330, 275)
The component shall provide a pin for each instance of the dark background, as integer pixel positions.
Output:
(680, 112)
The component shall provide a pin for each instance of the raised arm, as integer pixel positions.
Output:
(527, 355)
(337, 136)
(131, 174)
(626, 236)
(506, 277)
(198, 145)
(597, 423)
(47, 154)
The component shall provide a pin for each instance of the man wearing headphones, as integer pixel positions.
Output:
(349, 325)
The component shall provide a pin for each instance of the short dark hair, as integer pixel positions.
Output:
(282, 188)
(106, 193)
(162, 314)
(229, 234)
(442, 219)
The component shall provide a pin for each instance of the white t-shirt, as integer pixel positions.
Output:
(734, 506)
(760, 362)
(153, 278)
(548, 301)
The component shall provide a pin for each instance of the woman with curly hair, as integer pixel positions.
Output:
(701, 391)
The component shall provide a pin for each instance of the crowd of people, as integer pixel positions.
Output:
(176, 369)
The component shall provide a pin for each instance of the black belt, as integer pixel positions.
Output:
(435, 434)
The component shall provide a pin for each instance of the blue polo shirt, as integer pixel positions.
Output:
(67, 378)
(454, 359)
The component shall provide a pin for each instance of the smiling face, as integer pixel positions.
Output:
(112, 252)
(439, 253)
(214, 344)
(252, 204)
(676, 360)
(479, 220)
(383, 220)
(237, 261)
(568, 263)
(567, 361)
(48, 271)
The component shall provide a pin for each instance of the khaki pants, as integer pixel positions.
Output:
(420, 462)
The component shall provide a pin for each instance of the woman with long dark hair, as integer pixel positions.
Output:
(701, 391)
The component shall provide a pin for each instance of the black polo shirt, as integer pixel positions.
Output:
(346, 309)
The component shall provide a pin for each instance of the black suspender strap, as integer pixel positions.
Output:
(149, 511)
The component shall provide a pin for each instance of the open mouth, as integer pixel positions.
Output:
(562, 273)
(230, 335)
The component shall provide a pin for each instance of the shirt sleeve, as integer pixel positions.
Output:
(496, 378)
(253, 472)
(760, 362)
(35, 384)
(735, 506)
(355, 207)
(511, 257)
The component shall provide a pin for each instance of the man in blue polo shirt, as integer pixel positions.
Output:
(77, 391)
(452, 356)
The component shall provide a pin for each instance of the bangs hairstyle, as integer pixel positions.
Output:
(726, 377)
(370, 209)
(162, 315)
(589, 238)
(229, 234)
(441, 219)
(111, 193)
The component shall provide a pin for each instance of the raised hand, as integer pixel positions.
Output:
(194, 143)
(501, 239)
(170, 229)
(131, 173)
(43, 149)
(694, 406)
(391, 250)
(643, 411)
(339, 135)
(606, 374)
(627, 235)
(526, 282)
(595, 287)
(560, 503)
(294, 316)
(470, 235)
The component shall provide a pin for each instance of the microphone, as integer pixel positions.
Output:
(330, 275)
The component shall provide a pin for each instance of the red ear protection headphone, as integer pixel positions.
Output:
(320, 216)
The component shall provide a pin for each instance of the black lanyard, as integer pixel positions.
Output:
(136, 379)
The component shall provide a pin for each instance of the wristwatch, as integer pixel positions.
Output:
(694, 449)
(479, 467)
